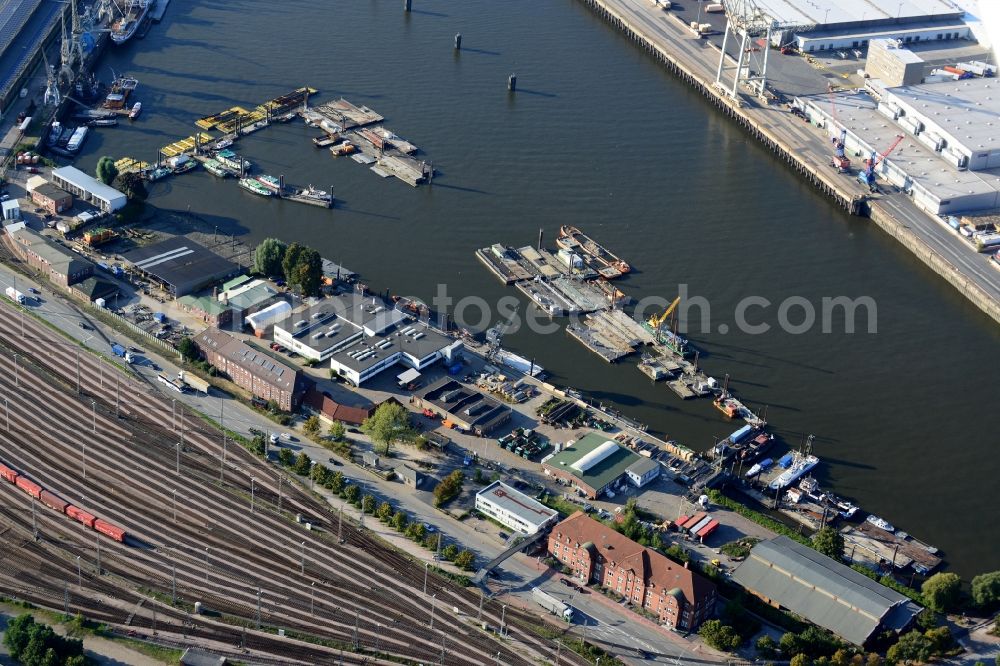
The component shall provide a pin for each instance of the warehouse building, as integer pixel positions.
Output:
(58, 264)
(264, 376)
(362, 336)
(249, 298)
(51, 198)
(514, 509)
(946, 127)
(596, 465)
(104, 197)
(208, 309)
(180, 265)
(677, 596)
(264, 319)
(463, 407)
(852, 24)
(787, 574)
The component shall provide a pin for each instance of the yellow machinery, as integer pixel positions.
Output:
(658, 320)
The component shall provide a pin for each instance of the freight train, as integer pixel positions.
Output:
(56, 503)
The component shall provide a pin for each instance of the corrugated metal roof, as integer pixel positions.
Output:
(819, 589)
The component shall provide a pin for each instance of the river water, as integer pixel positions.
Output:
(601, 137)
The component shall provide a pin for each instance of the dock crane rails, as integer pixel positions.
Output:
(867, 175)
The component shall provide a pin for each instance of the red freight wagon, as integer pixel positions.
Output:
(106, 528)
(53, 501)
(8, 473)
(76, 513)
(28, 486)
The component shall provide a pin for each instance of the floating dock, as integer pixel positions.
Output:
(682, 390)
(187, 145)
(409, 170)
(545, 297)
(347, 115)
(502, 262)
(542, 262)
(609, 351)
(874, 546)
(130, 165)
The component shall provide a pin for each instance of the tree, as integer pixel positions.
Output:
(384, 512)
(799, 660)
(319, 473)
(34, 644)
(290, 260)
(913, 647)
(302, 463)
(719, 636)
(368, 504)
(830, 542)
(106, 170)
(449, 552)
(309, 272)
(942, 591)
(448, 488)
(267, 258)
(337, 431)
(188, 349)
(312, 426)
(286, 457)
(986, 589)
(399, 521)
(132, 185)
(465, 560)
(337, 482)
(352, 493)
(766, 646)
(940, 639)
(389, 423)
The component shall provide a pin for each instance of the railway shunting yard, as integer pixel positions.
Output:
(212, 550)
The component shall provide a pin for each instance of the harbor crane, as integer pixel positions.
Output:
(840, 159)
(494, 336)
(867, 175)
(748, 22)
(657, 322)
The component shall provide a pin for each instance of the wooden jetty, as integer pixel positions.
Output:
(876, 546)
(409, 170)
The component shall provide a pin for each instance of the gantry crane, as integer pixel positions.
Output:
(867, 175)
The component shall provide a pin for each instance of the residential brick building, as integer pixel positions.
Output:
(677, 596)
(263, 375)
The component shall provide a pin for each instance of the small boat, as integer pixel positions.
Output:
(800, 466)
(222, 144)
(184, 167)
(846, 509)
(158, 173)
(103, 122)
(216, 169)
(270, 182)
(136, 110)
(255, 186)
(233, 161)
(758, 468)
(343, 149)
(316, 194)
(728, 406)
(880, 523)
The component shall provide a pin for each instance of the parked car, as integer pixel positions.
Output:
(32, 290)
(84, 326)
(335, 462)
(430, 528)
(273, 438)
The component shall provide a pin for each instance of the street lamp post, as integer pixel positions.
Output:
(93, 404)
(303, 569)
(427, 566)
(503, 620)
(312, 599)
(433, 607)
(253, 491)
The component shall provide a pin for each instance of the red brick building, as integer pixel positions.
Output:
(264, 376)
(679, 597)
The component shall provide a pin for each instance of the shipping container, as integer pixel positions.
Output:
(106, 528)
(53, 501)
(28, 486)
(707, 529)
(78, 514)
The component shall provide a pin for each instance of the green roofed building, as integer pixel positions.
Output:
(211, 311)
(596, 464)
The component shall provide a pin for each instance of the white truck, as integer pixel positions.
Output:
(15, 295)
(551, 604)
(196, 383)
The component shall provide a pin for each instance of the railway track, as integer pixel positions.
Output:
(359, 593)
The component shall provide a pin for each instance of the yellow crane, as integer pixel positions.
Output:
(658, 320)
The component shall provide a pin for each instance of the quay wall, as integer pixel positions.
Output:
(935, 261)
(853, 203)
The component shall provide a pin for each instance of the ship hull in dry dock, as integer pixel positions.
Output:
(798, 469)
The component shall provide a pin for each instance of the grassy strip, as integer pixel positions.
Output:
(757, 517)
(162, 653)
(592, 653)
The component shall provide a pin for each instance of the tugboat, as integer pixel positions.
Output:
(133, 14)
(255, 186)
